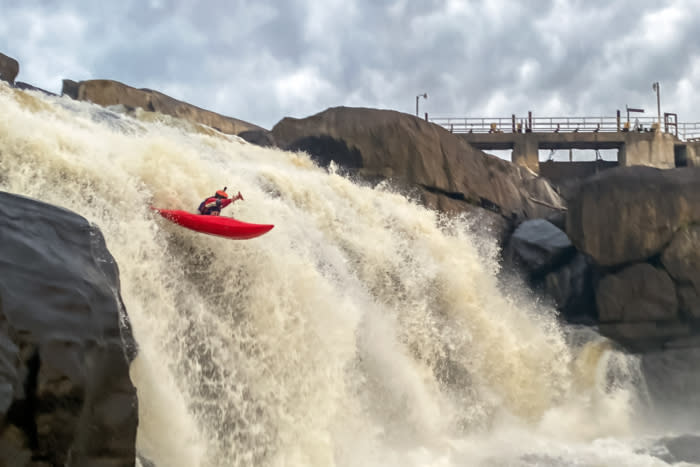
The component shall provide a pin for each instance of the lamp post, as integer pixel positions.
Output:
(424, 96)
(655, 86)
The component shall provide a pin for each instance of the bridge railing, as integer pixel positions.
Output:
(689, 131)
(513, 124)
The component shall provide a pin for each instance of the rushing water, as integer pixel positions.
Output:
(363, 330)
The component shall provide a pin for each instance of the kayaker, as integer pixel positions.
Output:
(213, 205)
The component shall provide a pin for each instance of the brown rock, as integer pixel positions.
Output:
(689, 301)
(638, 293)
(409, 150)
(9, 68)
(479, 220)
(682, 256)
(629, 214)
(645, 336)
(107, 92)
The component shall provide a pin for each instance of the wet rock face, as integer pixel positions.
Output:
(65, 342)
(392, 145)
(630, 214)
(108, 92)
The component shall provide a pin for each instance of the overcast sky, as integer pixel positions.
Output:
(262, 60)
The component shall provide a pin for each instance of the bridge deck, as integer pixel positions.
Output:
(579, 125)
(571, 140)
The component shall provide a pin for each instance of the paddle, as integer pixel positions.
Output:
(238, 196)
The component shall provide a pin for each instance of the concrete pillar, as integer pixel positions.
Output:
(526, 151)
(654, 149)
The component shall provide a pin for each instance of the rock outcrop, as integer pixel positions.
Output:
(638, 229)
(66, 397)
(9, 68)
(539, 246)
(107, 92)
(635, 268)
(385, 144)
(626, 215)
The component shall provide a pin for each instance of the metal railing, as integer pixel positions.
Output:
(513, 124)
(689, 131)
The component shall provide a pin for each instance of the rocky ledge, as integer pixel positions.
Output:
(628, 259)
(66, 397)
(448, 173)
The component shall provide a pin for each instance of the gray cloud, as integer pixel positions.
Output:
(261, 61)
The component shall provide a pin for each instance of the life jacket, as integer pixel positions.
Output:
(208, 205)
(213, 204)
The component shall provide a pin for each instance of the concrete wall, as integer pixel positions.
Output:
(525, 152)
(653, 149)
(693, 154)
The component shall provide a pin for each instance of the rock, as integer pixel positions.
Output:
(689, 302)
(261, 138)
(571, 288)
(640, 292)
(14, 448)
(9, 68)
(645, 336)
(70, 88)
(65, 339)
(685, 449)
(558, 218)
(29, 87)
(682, 256)
(392, 145)
(480, 220)
(628, 214)
(107, 92)
(538, 246)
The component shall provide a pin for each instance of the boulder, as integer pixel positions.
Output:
(9, 68)
(680, 450)
(639, 292)
(538, 247)
(571, 288)
(107, 92)
(408, 150)
(70, 88)
(647, 336)
(629, 214)
(65, 342)
(682, 257)
(689, 302)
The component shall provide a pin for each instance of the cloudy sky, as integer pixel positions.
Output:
(262, 60)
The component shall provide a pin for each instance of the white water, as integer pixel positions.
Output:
(363, 330)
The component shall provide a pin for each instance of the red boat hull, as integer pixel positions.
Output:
(216, 225)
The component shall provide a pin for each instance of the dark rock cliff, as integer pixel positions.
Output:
(66, 397)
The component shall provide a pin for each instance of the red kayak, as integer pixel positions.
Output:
(215, 225)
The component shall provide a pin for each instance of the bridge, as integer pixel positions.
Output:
(641, 141)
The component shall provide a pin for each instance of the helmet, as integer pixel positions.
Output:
(221, 193)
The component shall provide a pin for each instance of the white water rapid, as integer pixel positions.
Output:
(363, 330)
